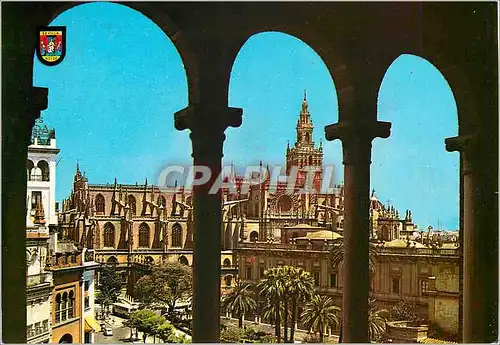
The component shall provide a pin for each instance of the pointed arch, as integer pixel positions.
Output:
(162, 201)
(183, 260)
(100, 204)
(176, 235)
(144, 235)
(132, 204)
(109, 235)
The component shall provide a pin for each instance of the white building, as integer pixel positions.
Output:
(41, 216)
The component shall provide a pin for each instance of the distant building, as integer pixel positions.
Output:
(267, 226)
(56, 270)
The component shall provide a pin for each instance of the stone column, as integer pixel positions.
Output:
(356, 139)
(480, 241)
(207, 125)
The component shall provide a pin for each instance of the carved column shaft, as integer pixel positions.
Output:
(480, 244)
(207, 136)
(356, 144)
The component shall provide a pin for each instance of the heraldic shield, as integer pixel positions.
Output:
(51, 45)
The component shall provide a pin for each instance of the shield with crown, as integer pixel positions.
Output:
(51, 45)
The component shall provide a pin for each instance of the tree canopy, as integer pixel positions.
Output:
(166, 284)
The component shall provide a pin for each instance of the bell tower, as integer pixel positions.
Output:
(304, 153)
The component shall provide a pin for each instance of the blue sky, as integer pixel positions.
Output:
(112, 101)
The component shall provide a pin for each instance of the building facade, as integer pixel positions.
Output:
(56, 307)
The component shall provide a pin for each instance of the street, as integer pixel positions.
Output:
(121, 334)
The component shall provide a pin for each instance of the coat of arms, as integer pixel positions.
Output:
(51, 45)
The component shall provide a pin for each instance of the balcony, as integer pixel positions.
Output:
(37, 329)
(42, 278)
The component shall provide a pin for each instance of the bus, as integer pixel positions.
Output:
(124, 310)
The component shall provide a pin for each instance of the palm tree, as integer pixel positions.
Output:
(376, 320)
(301, 289)
(320, 312)
(240, 301)
(337, 254)
(272, 288)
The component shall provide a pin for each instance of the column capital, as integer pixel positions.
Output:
(356, 137)
(461, 143)
(198, 117)
(466, 145)
(348, 130)
(207, 125)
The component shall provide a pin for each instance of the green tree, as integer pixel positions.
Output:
(337, 254)
(110, 285)
(165, 331)
(319, 313)
(376, 321)
(301, 290)
(272, 288)
(240, 301)
(231, 334)
(147, 322)
(404, 311)
(166, 284)
(132, 324)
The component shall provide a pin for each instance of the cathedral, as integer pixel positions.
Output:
(134, 225)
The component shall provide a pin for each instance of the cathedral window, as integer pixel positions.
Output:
(176, 235)
(227, 262)
(132, 204)
(109, 235)
(285, 203)
(143, 235)
(162, 201)
(99, 203)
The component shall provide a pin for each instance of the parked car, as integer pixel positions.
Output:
(108, 332)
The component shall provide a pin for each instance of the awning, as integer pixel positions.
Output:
(91, 325)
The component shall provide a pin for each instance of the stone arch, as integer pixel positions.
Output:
(109, 235)
(434, 96)
(183, 260)
(45, 170)
(162, 201)
(29, 168)
(385, 233)
(144, 235)
(254, 236)
(66, 339)
(285, 203)
(176, 235)
(228, 279)
(132, 204)
(112, 260)
(163, 21)
(100, 204)
(226, 262)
